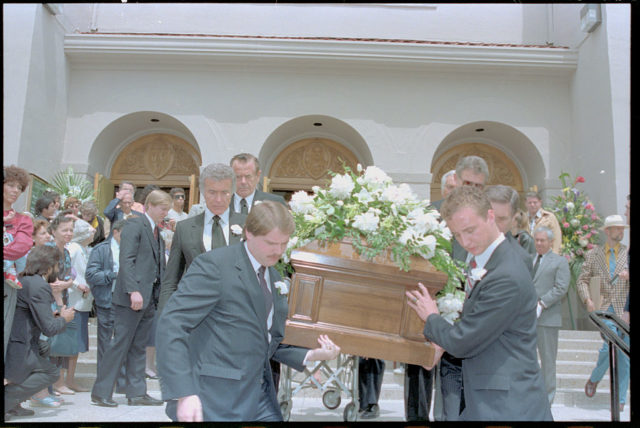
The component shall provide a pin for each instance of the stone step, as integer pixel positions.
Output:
(577, 355)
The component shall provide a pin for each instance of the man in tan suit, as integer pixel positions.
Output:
(604, 264)
(539, 217)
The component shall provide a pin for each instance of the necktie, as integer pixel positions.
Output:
(535, 266)
(612, 262)
(244, 208)
(156, 235)
(268, 298)
(217, 236)
(472, 265)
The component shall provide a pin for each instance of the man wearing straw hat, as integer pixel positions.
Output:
(604, 264)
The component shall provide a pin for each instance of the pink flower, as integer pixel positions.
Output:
(578, 232)
(589, 207)
(585, 227)
(594, 217)
(565, 225)
(579, 179)
(588, 235)
(589, 246)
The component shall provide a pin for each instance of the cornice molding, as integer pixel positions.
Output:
(130, 48)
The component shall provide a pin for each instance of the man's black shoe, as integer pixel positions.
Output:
(104, 402)
(371, 413)
(145, 400)
(21, 411)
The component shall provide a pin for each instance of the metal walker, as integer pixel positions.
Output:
(344, 378)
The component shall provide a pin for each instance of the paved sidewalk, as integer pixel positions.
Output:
(78, 408)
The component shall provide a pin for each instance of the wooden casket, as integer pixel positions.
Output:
(361, 304)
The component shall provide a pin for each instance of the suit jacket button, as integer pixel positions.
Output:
(261, 380)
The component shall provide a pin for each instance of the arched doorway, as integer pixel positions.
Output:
(306, 163)
(161, 159)
(502, 169)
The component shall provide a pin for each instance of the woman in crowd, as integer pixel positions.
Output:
(521, 232)
(56, 199)
(45, 208)
(89, 213)
(26, 370)
(61, 228)
(73, 205)
(80, 297)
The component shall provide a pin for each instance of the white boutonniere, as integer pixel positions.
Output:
(477, 274)
(236, 229)
(283, 287)
(256, 203)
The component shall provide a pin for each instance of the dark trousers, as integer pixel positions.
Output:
(131, 333)
(46, 374)
(451, 387)
(275, 372)
(418, 384)
(370, 374)
(105, 334)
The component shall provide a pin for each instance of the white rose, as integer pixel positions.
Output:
(575, 222)
(236, 229)
(282, 287)
(570, 206)
(583, 242)
(301, 202)
(341, 186)
(367, 222)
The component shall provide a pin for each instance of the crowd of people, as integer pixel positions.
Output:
(205, 279)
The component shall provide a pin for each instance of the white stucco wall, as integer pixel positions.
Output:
(492, 23)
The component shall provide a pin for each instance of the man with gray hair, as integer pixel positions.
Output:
(551, 281)
(216, 226)
(247, 194)
(472, 171)
(448, 182)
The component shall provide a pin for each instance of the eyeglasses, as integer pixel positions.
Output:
(471, 183)
(178, 196)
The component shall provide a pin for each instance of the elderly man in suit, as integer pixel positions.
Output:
(496, 334)
(551, 279)
(247, 170)
(142, 263)
(120, 207)
(540, 217)
(604, 264)
(223, 324)
(216, 226)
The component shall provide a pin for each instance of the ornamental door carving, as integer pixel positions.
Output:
(161, 159)
(306, 163)
(502, 170)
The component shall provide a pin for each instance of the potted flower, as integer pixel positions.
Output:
(580, 224)
(363, 240)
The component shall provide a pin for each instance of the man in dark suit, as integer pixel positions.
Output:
(551, 279)
(217, 226)
(496, 334)
(101, 273)
(142, 264)
(224, 322)
(26, 370)
(247, 170)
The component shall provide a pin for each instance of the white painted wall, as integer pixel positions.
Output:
(488, 23)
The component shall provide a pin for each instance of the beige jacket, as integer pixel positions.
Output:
(549, 220)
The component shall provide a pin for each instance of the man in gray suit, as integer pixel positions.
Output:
(215, 227)
(225, 321)
(551, 280)
(247, 170)
(496, 334)
(142, 264)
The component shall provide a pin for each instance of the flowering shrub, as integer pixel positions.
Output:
(376, 215)
(67, 183)
(578, 219)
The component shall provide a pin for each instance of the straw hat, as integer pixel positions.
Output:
(614, 220)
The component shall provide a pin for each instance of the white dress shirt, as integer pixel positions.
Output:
(237, 200)
(483, 258)
(256, 266)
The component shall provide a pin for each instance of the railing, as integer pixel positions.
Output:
(615, 342)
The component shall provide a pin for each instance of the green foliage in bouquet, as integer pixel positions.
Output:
(67, 183)
(376, 215)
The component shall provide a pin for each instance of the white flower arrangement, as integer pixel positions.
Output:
(282, 286)
(67, 183)
(236, 229)
(450, 306)
(376, 215)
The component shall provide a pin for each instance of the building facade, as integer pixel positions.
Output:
(152, 92)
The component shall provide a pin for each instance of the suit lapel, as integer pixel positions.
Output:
(543, 265)
(197, 230)
(250, 282)
(152, 240)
